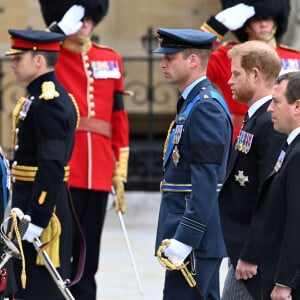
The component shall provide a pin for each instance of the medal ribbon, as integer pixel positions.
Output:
(186, 113)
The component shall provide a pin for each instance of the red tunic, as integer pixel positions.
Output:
(94, 75)
(219, 72)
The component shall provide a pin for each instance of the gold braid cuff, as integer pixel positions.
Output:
(205, 27)
(122, 165)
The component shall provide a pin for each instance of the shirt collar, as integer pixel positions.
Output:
(256, 105)
(188, 89)
(293, 135)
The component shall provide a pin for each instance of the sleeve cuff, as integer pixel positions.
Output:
(53, 27)
(215, 27)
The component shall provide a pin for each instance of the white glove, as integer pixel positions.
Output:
(235, 17)
(177, 252)
(32, 232)
(19, 213)
(71, 21)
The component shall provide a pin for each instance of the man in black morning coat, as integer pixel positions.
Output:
(276, 223)
(254, 67)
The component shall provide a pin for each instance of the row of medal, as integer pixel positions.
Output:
(176, 139)
(105, 69)
(244, 141)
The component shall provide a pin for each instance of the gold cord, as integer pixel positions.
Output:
(15, 119)
(167, 139)
(14, 228)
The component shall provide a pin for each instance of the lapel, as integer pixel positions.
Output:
(251, 122)
(191, 97)
(287, 152)
(196, 89)
(247, 127)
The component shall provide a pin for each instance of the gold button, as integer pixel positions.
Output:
(93, 113)
(92, 104)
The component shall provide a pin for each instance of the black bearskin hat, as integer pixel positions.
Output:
(54, 10)
(277, 9)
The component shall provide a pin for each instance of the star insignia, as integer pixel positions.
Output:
(241, 178)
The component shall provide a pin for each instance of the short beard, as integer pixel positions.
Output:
(244, 94)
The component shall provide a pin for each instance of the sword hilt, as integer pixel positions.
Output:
(167, 264)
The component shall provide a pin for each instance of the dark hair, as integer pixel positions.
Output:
(292, 92)
(204, 54)
(51, 57)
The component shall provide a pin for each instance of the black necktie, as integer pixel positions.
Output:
(246, 118)
(179, 103)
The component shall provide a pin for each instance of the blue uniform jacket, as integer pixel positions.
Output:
(193, 217)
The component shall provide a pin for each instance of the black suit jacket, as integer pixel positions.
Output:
(276, 225)
(237, 202)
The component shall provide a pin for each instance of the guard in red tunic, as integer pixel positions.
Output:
(94, 75)
(249, 20)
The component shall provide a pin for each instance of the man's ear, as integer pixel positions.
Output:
(38, 60)
(255, 73)
(194, 60)
(297, 107)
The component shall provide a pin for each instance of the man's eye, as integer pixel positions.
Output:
(17, 57)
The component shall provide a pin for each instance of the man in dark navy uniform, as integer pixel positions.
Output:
(44, 124)
(195, 159)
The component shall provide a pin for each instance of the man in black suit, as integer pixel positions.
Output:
(276, 222)
(255, 67)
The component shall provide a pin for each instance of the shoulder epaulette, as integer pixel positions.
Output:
(103, 47)
(288, 47)
(48, 91)
(229, 44)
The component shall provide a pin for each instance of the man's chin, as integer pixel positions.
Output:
(78, 38)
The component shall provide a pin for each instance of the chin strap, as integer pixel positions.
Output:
(268, 37)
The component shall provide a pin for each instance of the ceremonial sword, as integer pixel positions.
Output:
(11, 250)
(121, 219)
(61, 284)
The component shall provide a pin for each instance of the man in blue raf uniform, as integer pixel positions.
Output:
(194, 163)
(44, 124)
